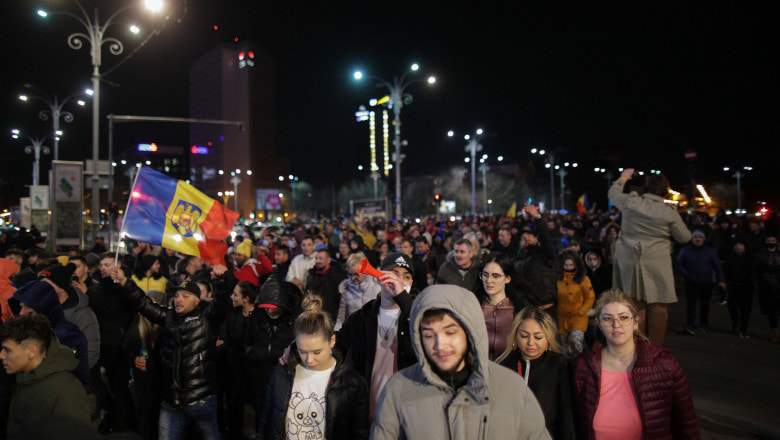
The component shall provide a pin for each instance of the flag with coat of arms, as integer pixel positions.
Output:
(176, 215)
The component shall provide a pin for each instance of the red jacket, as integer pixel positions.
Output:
(662, 392)
(254, 271)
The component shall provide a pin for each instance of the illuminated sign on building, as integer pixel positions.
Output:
(147, 147)
(199, 149)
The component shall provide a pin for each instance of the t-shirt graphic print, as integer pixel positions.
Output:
(306, 411)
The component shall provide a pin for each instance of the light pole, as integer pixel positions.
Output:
(739, 174)
(398, 98)
(606, 174)
(472, 147)
(550, 166)
(35, 148)
(94, 34)
(484, 168)
(55, 111)
(562, 173)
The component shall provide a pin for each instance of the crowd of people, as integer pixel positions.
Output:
(546, 325)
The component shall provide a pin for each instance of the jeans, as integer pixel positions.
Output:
(174, 421)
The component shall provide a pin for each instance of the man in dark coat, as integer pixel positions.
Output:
(324, 279)
(114, 313)
(536, 264)
(46, 391)
(40, 297)
(187, 346)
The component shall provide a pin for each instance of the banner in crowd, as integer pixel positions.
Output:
(176, 215)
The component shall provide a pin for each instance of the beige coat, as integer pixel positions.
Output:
(643, 252)
(494, 404)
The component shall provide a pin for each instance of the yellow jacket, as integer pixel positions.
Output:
(574, 302)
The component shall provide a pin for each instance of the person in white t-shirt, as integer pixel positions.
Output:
(316, 395)
(376, 337)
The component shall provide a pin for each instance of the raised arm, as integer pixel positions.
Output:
(616, 194)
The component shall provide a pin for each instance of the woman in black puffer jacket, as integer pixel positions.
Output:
(316, 387)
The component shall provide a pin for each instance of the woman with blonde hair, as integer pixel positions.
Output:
(316, 395)
(356, 290)
(533, 352)
(627, 387)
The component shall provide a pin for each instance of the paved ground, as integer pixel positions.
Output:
(735, 382)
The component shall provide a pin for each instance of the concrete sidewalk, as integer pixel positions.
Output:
(735, 382)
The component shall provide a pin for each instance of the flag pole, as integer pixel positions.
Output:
(127, 208)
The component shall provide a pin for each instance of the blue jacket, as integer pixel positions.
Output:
(700, 264)
(40, 296)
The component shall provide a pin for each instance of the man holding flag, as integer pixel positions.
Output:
(177, 216)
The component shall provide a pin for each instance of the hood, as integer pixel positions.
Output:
(58, 358)
(39, 296)
(464, 306)
(283, 295)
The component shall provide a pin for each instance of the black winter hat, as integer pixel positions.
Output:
(59, 274)
(190, 287)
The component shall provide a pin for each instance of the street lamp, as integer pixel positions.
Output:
(739, 174)
(235, 179)
(562, 173)
(398, 98)
(94, 35)
(55, 111)
(472, 147)
(606, 174)
(551, 166)
(35, 148)
(484, 168)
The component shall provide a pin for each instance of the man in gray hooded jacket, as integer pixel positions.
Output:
(454, 391)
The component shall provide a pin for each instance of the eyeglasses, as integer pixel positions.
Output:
(623, 320)
(484, 276)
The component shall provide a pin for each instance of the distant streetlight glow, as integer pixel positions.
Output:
(431, 80)
(479, 131)
(500, 158)
(467, 159)
(281, 178)
(248, 172)
(153, 5)
(291, 177)
(547, 165)
(358, 75)
(467, 137)
(726, 168)
(123, 162)
(360, 167)
(238, 170)
(542, 152)
(148, 162)
(221, 172)
(135, 30)
(89, 92)
(534, 150)
(23, 98)
(58, 132)
(81, 102)
(15, 131)
(42, 13)
(415, 67)
(450, 133)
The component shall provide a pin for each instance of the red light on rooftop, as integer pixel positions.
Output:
(215, 27)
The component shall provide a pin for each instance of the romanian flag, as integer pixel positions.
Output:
(512, 211)
(174, 214)
(583, 204)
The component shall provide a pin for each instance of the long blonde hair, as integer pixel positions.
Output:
(545, 321)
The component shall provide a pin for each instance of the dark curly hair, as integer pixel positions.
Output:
(35, 327)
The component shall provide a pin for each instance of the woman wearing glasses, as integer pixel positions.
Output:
(533, 352)
(499, 301)
(627, 387)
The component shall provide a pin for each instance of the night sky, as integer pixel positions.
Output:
(607, 86)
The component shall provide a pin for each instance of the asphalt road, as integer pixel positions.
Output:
(735, 382)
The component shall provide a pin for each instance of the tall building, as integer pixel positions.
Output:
(236, 84)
